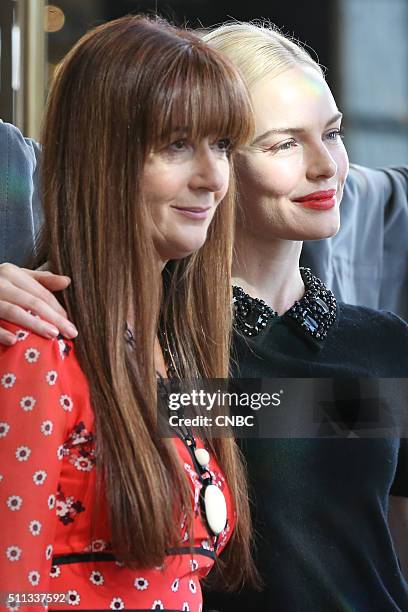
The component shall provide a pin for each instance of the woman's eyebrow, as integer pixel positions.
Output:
(292, 130)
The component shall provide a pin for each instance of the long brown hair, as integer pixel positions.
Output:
(119, 94)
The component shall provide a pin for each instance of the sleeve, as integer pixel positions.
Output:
(400, 484)
(35, 415)
(394, 294)
(21, 214)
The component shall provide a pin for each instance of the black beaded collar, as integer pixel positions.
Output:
(312, 316)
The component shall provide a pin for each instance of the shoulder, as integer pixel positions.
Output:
(13, 143)
(364, 317)
(44, 372)
(379, 329)
(31, 349)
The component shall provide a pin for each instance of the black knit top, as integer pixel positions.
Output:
(320, 504)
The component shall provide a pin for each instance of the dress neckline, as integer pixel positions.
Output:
(312, 316)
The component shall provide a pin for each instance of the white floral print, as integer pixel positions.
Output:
(51, 502)
(97, 545)
(44, 414)
(8, 380)
(39, 477)
(62, 348)
(14, 502)
(141, 583)
(60, 452)
(51, 377)
(23, 453)
(117, 604)
(66, 402)
(62, 508)
(83, 464)
(27, 403)
(55, 571)
(32, 355)
(46, 428)
(13, 553)
(4, 429)
(35, 527)
(96, 578)
(21, 335)
(73, 598)
(34, 578)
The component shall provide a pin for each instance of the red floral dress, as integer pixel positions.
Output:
(47, 473)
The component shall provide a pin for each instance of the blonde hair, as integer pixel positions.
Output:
(259, 49)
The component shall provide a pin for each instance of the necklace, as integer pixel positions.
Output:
(312, 316)
(212, 500)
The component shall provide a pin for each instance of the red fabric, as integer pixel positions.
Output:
(47, 472)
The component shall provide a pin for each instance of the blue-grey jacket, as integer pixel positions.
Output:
(365, 264)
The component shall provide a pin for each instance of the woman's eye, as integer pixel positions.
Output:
(285, 146)
(224, 145)
(178, 145)
(335, 134)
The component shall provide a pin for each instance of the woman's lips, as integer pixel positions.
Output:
(193, 213)
(318, 200)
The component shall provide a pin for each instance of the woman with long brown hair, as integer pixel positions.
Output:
(140, 126)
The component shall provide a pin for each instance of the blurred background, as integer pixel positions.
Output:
(362, 43)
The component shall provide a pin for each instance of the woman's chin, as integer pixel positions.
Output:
(179, 249)
(320, 235)
(322, 228)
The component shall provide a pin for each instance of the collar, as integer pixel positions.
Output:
(311, 317)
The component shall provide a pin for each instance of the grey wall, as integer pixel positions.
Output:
(373, 79)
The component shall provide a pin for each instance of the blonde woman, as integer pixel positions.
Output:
(321, 505)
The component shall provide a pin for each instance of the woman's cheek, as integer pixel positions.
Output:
(342, 162)
(267, 174)
(282, 176)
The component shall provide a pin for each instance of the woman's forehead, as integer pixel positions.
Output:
(292, 100)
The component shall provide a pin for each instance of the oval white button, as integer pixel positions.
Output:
(215, 508)
(202, 456)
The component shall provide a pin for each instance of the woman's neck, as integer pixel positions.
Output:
(269, 270)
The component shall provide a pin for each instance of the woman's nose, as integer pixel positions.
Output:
(321, 164)
(210, 171)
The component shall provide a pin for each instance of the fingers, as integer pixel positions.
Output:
(52, 282)
(14, 306)
(7, 338)
(21, 290)
(32, 283)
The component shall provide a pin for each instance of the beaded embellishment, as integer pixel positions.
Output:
(312, 315)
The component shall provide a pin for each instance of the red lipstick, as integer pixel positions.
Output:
(318, 200)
